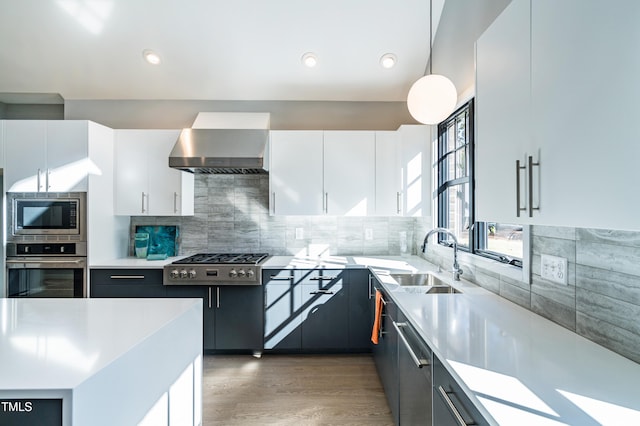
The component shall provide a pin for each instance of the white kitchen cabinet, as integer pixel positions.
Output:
(503, 114)
(415, 170)
(349, 173)
(145, 184)
(584, 82)
(542, 91)
(46, 155)
(2, 143)
(295, 173)
(388, 199)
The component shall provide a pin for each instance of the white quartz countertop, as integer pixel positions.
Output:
(59, 343)
(133, 263)
(389, 264)
(519, 368)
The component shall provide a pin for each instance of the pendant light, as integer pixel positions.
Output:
(432, 98)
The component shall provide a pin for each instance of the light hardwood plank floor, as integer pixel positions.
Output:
(293, 390)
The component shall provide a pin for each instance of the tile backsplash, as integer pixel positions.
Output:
(601, 300)
(232, 214)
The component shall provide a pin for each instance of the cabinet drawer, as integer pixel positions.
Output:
(126, 276)
(321, 277)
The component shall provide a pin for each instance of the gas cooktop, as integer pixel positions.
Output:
(225, 258)
(216, 269)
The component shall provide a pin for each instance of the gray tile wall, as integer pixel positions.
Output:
(232, 214)
(602, 298)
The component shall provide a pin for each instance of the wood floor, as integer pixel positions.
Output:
(293, 390)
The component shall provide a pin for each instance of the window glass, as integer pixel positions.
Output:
(455, 197)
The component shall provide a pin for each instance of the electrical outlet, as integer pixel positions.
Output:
(299, 233)
(368, 234)
(554, 269)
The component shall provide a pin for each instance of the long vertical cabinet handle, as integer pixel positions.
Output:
(38, 182)
(518, 208)
(209, 297)
(452, 407)
(370, 284)
(399, 202)
(419, 362)
(273, 204)
(46, 180)
(326, 202)
(217, 297)
(531, 165)
(175, 202)
(142, 210)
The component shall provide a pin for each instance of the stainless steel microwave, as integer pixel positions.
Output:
(52, 214)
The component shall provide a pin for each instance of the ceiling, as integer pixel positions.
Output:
(212, 49)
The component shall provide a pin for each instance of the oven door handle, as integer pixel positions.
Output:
(32, 263)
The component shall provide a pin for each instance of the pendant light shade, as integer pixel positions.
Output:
(431, 99)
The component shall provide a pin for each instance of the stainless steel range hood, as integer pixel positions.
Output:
(220, 151)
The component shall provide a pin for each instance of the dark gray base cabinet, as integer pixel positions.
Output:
(385, 353)
(316, 310)
(126, 283)
(232, 315)
(451, 406)
(414, 382)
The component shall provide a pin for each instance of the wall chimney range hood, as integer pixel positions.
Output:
(220, 151)
(223, 143)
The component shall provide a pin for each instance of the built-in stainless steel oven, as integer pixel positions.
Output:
(46, 275)
(46, 245)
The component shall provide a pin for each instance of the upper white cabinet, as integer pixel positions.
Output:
(46, 155)
(555, 81)
(585, 91)
(349, 173)
(145, 184)
(295, 173)
(415, 170)
(503, 115)
(388, 180)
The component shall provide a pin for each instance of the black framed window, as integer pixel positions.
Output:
(455, 194)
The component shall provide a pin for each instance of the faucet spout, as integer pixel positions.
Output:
(457, 271)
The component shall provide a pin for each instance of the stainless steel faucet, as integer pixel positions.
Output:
(457, 271)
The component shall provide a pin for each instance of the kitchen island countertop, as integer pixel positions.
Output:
(108, 360)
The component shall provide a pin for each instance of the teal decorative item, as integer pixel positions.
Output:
(163, 239)
(141, 244)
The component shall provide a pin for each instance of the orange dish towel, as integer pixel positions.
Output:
(377, 322)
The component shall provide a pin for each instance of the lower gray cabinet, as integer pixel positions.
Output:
(232, 315)
(208, 314)
(414, 376)
(360, 310)
(325, 310)
(385, 353)
(317, 310)
(126, 283)
(451, 406)
(238, 317)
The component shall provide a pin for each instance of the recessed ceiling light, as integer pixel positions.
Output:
(309, 60)
(151, 57)
(388, 60)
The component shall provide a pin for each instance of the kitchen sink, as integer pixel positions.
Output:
(425, 289)
(422, 284)
(425, 279)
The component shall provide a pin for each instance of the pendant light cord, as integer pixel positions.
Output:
(430, 36)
